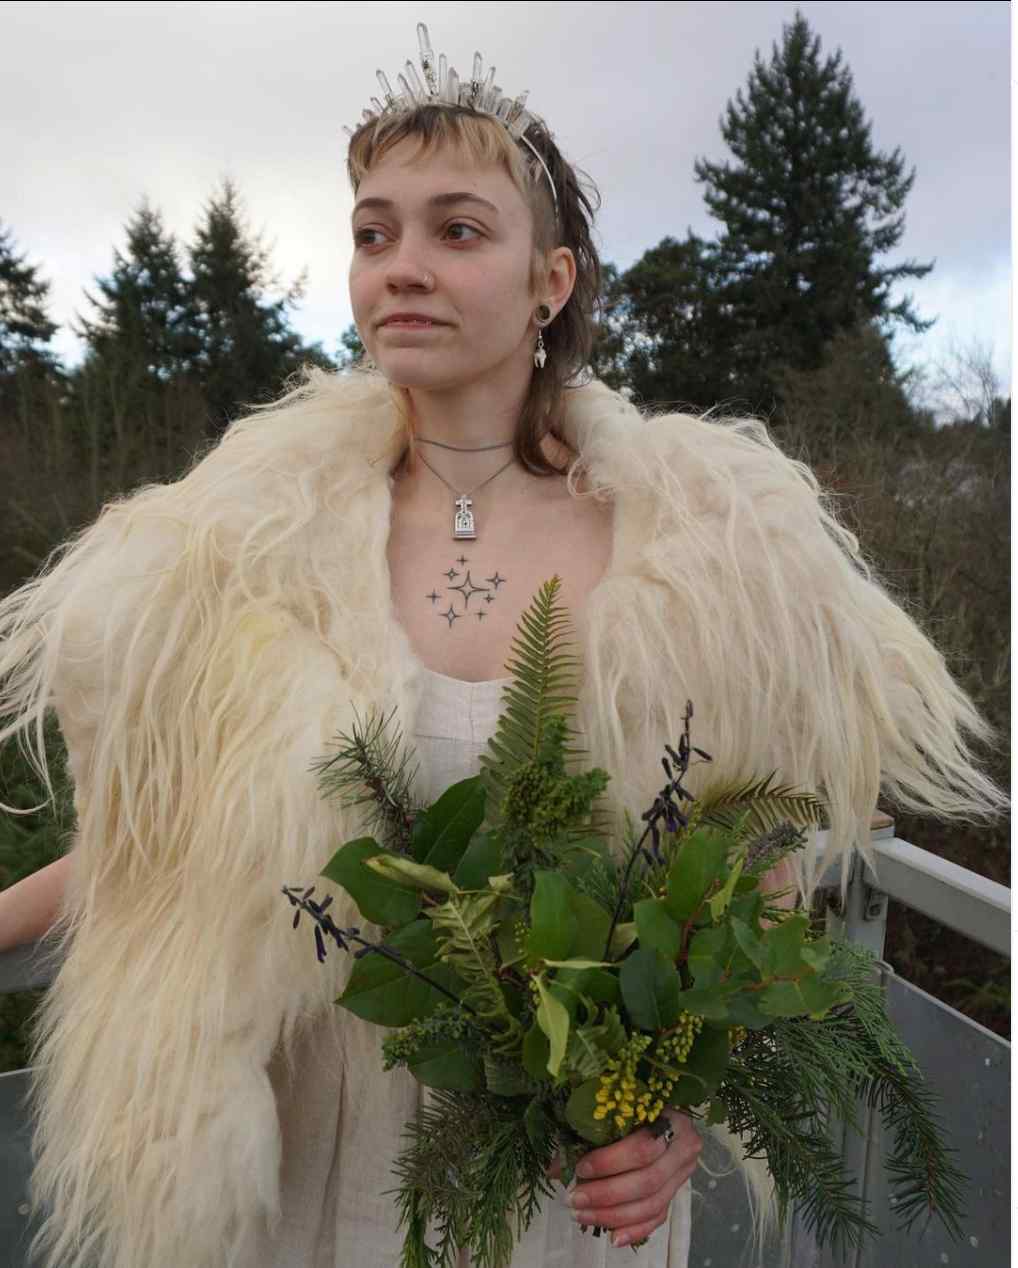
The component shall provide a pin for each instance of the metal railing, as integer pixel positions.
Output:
(966, 1064)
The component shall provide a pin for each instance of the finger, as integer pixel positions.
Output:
(636, 1185)
(555, 1170)
(653, 1207)
(635, 1233)
(639, 1149)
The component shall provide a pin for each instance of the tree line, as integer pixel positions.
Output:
(789, 312)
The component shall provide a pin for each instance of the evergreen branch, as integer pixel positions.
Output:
(373, 767)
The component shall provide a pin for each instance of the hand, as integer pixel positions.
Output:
(628, 1186)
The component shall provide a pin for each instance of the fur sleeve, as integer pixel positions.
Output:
(744, 594)
(193, 709)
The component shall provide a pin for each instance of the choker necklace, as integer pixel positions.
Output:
(463, 527)
(462, 448)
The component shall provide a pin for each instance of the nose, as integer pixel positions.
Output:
(406, 267)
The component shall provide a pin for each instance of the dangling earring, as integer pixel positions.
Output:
(540, 352)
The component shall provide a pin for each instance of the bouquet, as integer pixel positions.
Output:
(557, 994)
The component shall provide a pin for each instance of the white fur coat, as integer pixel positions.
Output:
(204, 641)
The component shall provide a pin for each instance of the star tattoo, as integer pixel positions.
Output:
(461, 561)
(451, 616)
(468, 590)
(452, 573)
(481, 615)
(433, 597)
(496, 580)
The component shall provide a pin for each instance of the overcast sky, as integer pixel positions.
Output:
(104, 103)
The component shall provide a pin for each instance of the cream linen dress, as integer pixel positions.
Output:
(342, 1116)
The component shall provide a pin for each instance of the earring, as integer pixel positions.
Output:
(541, 352)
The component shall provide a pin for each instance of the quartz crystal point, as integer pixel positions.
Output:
(443, 77)
(387, 93)
(427, 58)
(416, 87)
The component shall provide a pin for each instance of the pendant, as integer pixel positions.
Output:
(463, 521)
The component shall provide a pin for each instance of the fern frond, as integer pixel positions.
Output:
(545, 677)
(764, 807)
(464, 927)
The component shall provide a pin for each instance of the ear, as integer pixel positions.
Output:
(561, 278)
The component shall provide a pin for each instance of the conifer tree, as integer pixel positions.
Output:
(141, 328)
(807, 207)
(25, 329)
(245, 344)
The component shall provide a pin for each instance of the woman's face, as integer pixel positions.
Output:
(443, 238)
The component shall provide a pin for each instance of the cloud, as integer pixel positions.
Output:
(105, 103)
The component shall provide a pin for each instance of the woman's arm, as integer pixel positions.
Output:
(29, 908)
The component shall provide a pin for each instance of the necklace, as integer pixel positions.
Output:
(463, 527)
(463, 448)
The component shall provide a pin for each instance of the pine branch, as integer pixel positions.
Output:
(373, 767)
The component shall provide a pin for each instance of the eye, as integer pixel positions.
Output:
(459, 224)
(361, 241)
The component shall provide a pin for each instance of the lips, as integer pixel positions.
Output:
(411, 319)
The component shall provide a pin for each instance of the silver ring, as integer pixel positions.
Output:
(668, 1135)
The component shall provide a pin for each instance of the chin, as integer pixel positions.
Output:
(427, 372)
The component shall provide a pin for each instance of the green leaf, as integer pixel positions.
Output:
(784, 943)
(536, 1052)
(700, 862)
(650, 989)
(623, 937)
(707, 961)
(511, 938)
(382, 900)
(578, 964)
(553, 922)
(448, 1065)
(751, 945)
(656, 928)
(505, 1078)
(817, 953)
(704, 1067)
(481, 860)
(394, 867)
(580, 1114)
(538, 1124)
(381, 992)
(448, 824)
(553, 1018)
(719, 901)
(592, 924)
(710, 1003)
(717, 1112)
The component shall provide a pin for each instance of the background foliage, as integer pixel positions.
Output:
(787, 312)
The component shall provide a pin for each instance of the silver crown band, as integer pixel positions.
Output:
(445, 88)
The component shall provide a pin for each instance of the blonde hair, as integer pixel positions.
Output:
(570, 337)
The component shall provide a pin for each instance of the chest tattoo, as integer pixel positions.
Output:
(460, 589)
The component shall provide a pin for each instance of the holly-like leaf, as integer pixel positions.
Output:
(650, 989)
(784, 943)
(441, 833)
(719, 902)
(536, 1052)
(707, 961)
(656, 928)
(384, 900)
(751, 944)
(592, 925)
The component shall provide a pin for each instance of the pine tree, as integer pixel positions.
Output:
(246, 347)
(25, 329)
(140, 331)
(807, 207)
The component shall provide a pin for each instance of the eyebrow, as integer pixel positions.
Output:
(439, 200)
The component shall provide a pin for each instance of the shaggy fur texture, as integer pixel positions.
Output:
(203, 642)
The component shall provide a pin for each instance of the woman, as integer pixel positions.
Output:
(370, 542)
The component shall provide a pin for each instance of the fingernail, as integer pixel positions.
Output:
(583, 1171)
(577, 1199)
(620, 1239)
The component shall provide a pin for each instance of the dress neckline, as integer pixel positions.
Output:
(466, 682)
